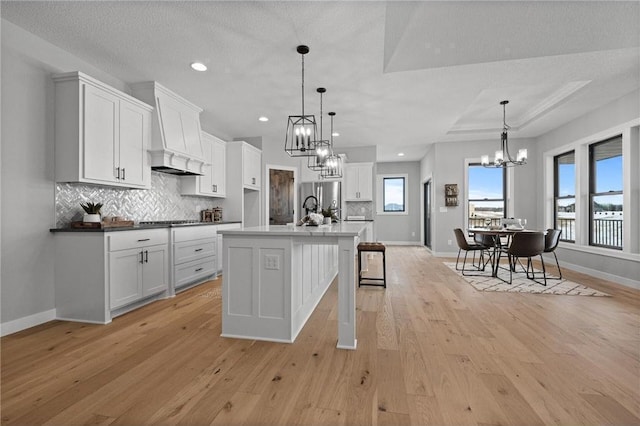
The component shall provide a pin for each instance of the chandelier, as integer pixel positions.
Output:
(301, 129)
(333, 162)
(503, 158)
(317, 162)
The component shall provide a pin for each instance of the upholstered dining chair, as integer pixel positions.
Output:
(551, 242)
(463, 244)
(525, 244)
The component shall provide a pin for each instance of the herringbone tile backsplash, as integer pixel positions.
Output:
(162, 202)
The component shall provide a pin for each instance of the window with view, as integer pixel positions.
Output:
(393, 191)
(605, 193)
(565, 195)
(486, 195)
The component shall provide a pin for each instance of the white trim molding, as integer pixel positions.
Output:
(29, 321)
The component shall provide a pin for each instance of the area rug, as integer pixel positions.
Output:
(521, 284)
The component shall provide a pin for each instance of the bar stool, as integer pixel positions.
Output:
(376, 247)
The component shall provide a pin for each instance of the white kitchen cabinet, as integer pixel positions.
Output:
(137, 268)
(213, 182)
(101, 134)
(100, 275)
(194, 255)
(358, 178)
(251, 166)
(243, 194)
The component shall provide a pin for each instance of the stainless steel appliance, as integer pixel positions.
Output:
(315, 196)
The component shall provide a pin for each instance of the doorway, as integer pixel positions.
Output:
(282, 196)
(427, 213)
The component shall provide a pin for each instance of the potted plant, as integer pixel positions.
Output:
(92, 212)
(329, 214)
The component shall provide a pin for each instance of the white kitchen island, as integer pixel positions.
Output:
(274, 277)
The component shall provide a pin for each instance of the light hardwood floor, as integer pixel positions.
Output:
(431, 350)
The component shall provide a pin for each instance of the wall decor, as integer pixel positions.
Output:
(451, 194)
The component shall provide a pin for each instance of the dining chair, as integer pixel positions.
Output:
(551, 242)
(529, 245)
(463, 244)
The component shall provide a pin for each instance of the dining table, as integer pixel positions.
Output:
(497, 234)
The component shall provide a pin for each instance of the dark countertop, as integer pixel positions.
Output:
(139, 227)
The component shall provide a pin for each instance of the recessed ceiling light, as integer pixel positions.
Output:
(401, 154)
(199, 66)
(335, 134)
(263, 118)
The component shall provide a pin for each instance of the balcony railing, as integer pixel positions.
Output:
(606, 232)
(479, 222)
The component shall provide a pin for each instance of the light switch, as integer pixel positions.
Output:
(271, 261)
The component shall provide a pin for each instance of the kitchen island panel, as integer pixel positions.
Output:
(312, 257)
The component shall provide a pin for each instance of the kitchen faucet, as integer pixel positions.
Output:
(315, 205)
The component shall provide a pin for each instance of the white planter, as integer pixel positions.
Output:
(327, 221)
(91, 218)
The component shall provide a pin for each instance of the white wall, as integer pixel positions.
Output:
(27, 269)
(401, 228)
(609, 264)
(445, 163)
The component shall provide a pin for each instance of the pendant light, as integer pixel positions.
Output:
(333, 163)
(322, 146)
(301, 129)
(503, 157)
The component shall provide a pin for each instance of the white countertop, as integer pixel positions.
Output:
(343, 229)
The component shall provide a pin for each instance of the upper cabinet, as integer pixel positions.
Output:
(102, 134)
(251, 166)
(213, 182)
(176, 141)
(358, 178)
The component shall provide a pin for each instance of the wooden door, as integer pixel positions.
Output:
(281, 191)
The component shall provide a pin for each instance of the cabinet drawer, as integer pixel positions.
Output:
(133, 239)
(193, 271)
(194, 250)
(189, 233)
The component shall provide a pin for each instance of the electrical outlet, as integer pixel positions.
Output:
(361, 209)
(272, 262)
(449, 242)
(413, 234)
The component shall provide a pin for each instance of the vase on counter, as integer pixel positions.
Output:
(93, 218)
(327, 221)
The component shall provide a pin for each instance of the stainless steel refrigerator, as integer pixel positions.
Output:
(314, 196)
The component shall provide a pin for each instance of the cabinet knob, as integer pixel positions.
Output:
(198, 249)
(199, 269)
(141, 257)
(146, 256)
(123, 174)
(253, 181)
(117, 172)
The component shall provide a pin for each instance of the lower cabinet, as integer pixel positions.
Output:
(194, 255)
(99, 275)
(137, 273)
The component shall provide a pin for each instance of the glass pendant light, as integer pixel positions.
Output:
(301, 129)
(333, 162)
(322, 146)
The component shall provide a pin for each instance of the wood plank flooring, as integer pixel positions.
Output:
(431, 350)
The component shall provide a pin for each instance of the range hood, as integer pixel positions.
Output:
(176, 144)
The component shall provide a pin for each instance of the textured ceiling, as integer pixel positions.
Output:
(400, 75)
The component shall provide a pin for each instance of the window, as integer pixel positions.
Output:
(605, 193)
(486, 195)
(393, 200)
(565, 195)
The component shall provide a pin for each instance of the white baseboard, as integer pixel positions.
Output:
(23, 323)
(627, 282)
(402, 243)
